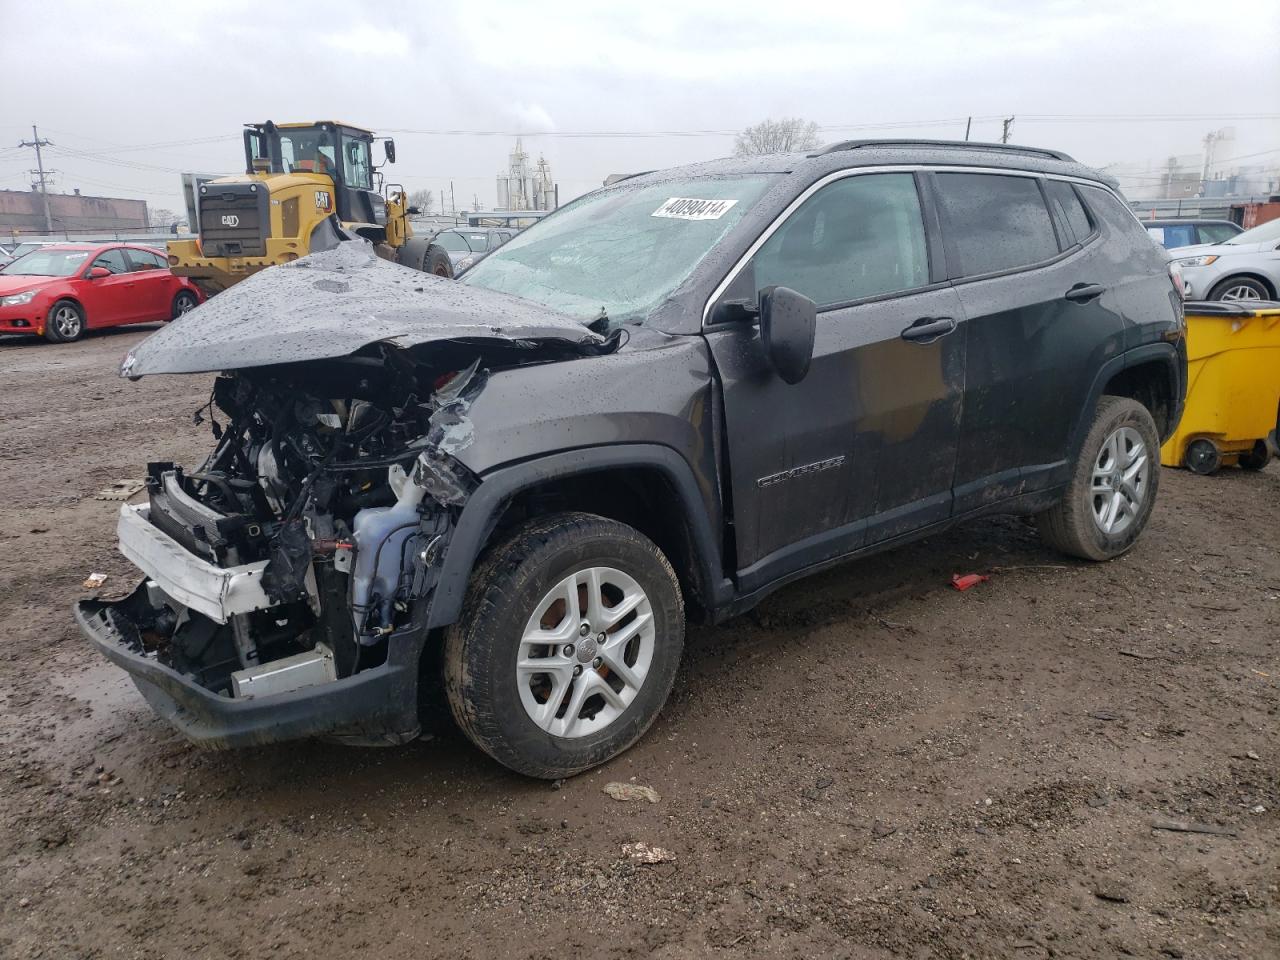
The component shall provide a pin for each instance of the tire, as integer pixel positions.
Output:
(1202, 456)
(419, 253)
(542, 567)
(438, 262)
(1257, 458)
(64, 323)
(184, 302)
(1240, 288)
(1078, 524)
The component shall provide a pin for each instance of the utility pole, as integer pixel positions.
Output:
(40, 172)
(967, 124)
(1004, 134)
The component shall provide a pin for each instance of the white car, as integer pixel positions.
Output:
(1246, 267)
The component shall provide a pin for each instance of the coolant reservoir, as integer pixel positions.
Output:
(380, 535)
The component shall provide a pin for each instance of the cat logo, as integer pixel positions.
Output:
(230, 220)
(322, 200)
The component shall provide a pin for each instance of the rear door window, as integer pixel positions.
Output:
(859, 237)
(1070, 210)
(994, 222)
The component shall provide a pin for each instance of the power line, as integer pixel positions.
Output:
(129, 164)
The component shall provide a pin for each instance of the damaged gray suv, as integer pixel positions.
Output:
(659, 404)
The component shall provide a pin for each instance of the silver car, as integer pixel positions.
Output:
(1246, 267)
(466, 245)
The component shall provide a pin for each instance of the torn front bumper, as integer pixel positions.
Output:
(376, 706)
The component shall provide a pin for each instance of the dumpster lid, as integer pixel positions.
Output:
(1230, 308)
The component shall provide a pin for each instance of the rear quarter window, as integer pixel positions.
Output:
(1071, 210)
(994, 222)
(1123, 228)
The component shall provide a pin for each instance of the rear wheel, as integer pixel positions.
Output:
(1257, 458)
(1240, 288)
(1113, 487)
(438, 262)
(184, 302)
(567, 646)
(64, 323)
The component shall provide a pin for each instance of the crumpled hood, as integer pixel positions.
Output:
(331, 304)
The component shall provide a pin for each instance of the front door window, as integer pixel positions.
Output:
(856, 238)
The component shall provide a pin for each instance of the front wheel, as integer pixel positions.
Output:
(64, 323)
(1240, 288)
(1113, 486)
(567, 646)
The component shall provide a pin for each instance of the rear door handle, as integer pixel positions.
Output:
(929, 329)
(1084, 292)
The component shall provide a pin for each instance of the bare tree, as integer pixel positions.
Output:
(160, 217)
(776, 136)
(424, 200)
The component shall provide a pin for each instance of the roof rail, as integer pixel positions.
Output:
(945, 145)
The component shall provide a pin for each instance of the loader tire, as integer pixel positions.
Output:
(438, 262)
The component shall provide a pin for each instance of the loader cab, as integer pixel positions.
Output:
(339, 151)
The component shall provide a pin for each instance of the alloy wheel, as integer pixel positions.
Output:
(585, 652)
(1241, 291)
(67, 322)
(1119, 483)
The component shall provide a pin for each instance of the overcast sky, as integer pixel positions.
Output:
(1123, 81)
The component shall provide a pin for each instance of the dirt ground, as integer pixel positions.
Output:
(872, 764)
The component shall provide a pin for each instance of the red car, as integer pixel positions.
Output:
(64, 289)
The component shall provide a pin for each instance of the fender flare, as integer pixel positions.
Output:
(1163, 351)
(496, 488)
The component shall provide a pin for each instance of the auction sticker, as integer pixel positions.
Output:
(688, 208)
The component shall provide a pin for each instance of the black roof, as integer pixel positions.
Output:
(1174, 221)
(1009, 148)
(871, 153)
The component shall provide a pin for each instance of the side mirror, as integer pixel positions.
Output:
(97, 273)
(788, 325)
(389, 148)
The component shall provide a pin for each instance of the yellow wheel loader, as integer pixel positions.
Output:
(302, 182)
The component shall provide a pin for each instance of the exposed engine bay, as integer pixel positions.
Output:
(288, 579)
(315, 529)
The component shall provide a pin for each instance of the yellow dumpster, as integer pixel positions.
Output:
(1233, 386)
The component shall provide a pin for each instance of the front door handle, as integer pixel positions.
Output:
(929, 329)
(1084, 292)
